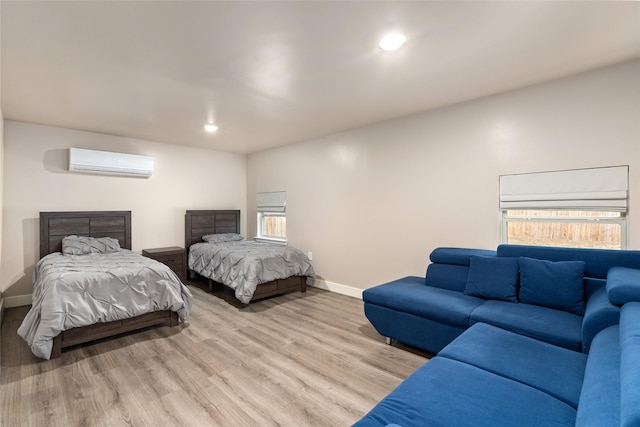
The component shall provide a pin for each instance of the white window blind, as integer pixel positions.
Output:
(272, 202)
(579, 189)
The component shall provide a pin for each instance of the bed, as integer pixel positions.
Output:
(126, 290)
(252, 269)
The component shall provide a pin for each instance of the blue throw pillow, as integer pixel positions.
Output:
(552, 284)
(493, 278)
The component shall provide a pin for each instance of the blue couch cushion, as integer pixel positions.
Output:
(493, 278)
(552, 284)
(598, 315)
(554, 370)
(547, 324)
(630, 364)
(457, 256)
(623, 285)
(600, 396)
(411, 295)
(447, 276)
(479, 399)
(598, 261)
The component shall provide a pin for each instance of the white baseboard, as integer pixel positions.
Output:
(16, 301)
(338, 288)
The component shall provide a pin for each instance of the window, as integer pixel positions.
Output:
(272, 225)
(580, 229)
(583, 208)
(272, 218)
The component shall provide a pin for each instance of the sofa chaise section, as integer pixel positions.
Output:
(412, 312)
(492, 377)
(456, 389)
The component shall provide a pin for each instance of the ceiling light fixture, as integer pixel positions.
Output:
(392, 41)
(210, 128)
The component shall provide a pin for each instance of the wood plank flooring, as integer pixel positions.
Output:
(299, 359)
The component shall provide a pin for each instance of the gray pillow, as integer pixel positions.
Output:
(82, 245)
(222, 237)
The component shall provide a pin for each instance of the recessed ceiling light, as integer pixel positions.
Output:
(210, 128)
(392, 41)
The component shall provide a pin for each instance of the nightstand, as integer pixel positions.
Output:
(174, 257)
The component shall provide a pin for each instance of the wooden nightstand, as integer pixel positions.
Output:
(175, 257)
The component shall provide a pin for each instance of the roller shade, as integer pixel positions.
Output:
(579, 189)
(272, 202)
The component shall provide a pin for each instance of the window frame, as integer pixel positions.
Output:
(261, 235)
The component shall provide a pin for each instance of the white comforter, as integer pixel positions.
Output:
(70, 291)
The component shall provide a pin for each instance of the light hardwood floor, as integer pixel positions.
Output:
(299, 359)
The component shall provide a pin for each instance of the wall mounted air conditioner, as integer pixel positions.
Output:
(106, 162)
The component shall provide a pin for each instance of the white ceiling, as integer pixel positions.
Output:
(273, 73)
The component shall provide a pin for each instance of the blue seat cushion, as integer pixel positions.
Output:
(547, 324)
(445, 392)
(411, 295)
(554, 370)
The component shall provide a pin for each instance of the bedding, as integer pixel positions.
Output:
(244, 264)
(71, 291)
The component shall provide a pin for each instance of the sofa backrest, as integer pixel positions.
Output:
(611, 388)
(597, 261)
(599, 403)
(449, 267)
(630, 364)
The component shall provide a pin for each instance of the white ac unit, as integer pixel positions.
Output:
(106, 162)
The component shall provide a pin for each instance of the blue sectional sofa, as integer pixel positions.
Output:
(429, 312)
(518, 343)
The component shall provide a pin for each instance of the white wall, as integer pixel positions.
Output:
(1, 192)
(372, 203)
(1, 185)
(36, 179)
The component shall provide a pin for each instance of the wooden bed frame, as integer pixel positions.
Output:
(201, 222)
(54, 226)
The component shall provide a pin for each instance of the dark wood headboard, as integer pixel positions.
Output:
(200, 223)
(54, 226)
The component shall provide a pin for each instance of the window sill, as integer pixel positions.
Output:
(282, 242)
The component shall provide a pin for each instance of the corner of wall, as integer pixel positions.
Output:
(1, 310)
